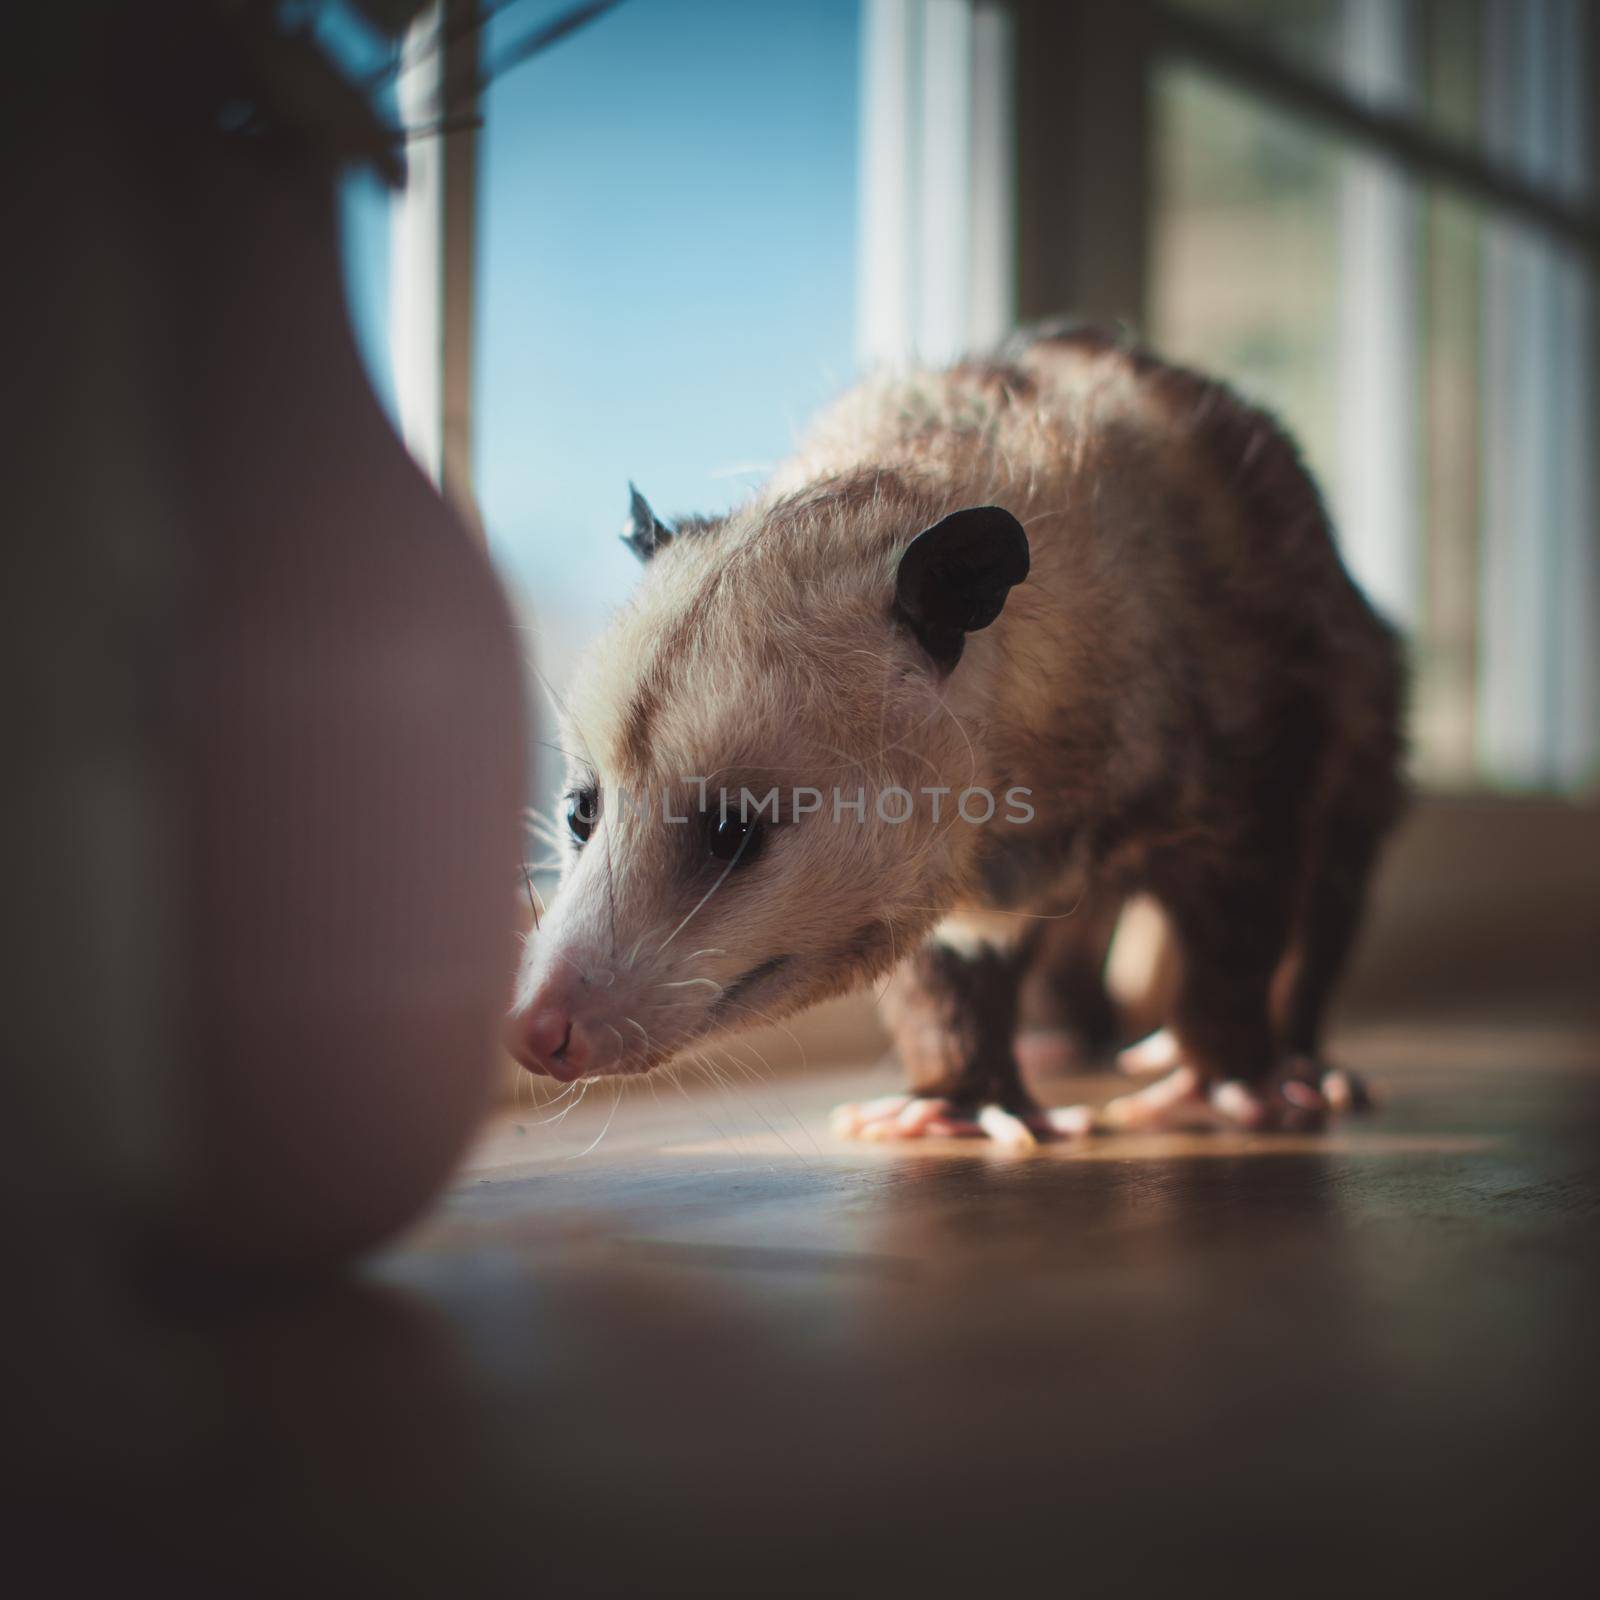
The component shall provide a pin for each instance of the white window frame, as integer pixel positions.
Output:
(433, 247)
(936, 268)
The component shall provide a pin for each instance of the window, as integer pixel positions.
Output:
(664, 279)
(1377, 217)
(1435, 355)
(697, 220)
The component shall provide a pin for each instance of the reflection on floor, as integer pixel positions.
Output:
(716, 1351)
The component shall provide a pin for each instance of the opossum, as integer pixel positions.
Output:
(1084, 610)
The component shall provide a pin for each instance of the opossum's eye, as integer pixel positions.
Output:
(731, 838)
(583, 811)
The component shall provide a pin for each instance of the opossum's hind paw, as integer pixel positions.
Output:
(1347, 1091)
(1342, 1091)
(1184, 1099)
(1289, 1104)
(905, 1116)
(1159, 1052)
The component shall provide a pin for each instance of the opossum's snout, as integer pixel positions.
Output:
(546, 1038)
(563, 1030)
(608, 987)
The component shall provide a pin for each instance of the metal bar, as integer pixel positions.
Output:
(1182, 35)
(460, 84)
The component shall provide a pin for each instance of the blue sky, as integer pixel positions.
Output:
(666, 269)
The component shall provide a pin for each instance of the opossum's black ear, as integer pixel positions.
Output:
(644, 533)
(954, 578)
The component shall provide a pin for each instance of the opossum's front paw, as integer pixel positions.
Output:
(1185, 1099)
(907, 1116)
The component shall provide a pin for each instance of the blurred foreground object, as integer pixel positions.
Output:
(269, 761)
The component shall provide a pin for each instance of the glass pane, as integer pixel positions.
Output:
(1244, 279)
(667, 276)
(1434, 361)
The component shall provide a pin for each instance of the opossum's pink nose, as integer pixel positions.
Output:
(547, 1038)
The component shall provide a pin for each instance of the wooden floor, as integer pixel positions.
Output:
(716, 1351)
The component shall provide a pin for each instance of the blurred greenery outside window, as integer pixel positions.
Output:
(1275, 263)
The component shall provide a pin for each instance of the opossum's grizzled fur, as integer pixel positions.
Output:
(1198, 700)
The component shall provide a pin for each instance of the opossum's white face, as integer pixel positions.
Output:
(748, 824)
